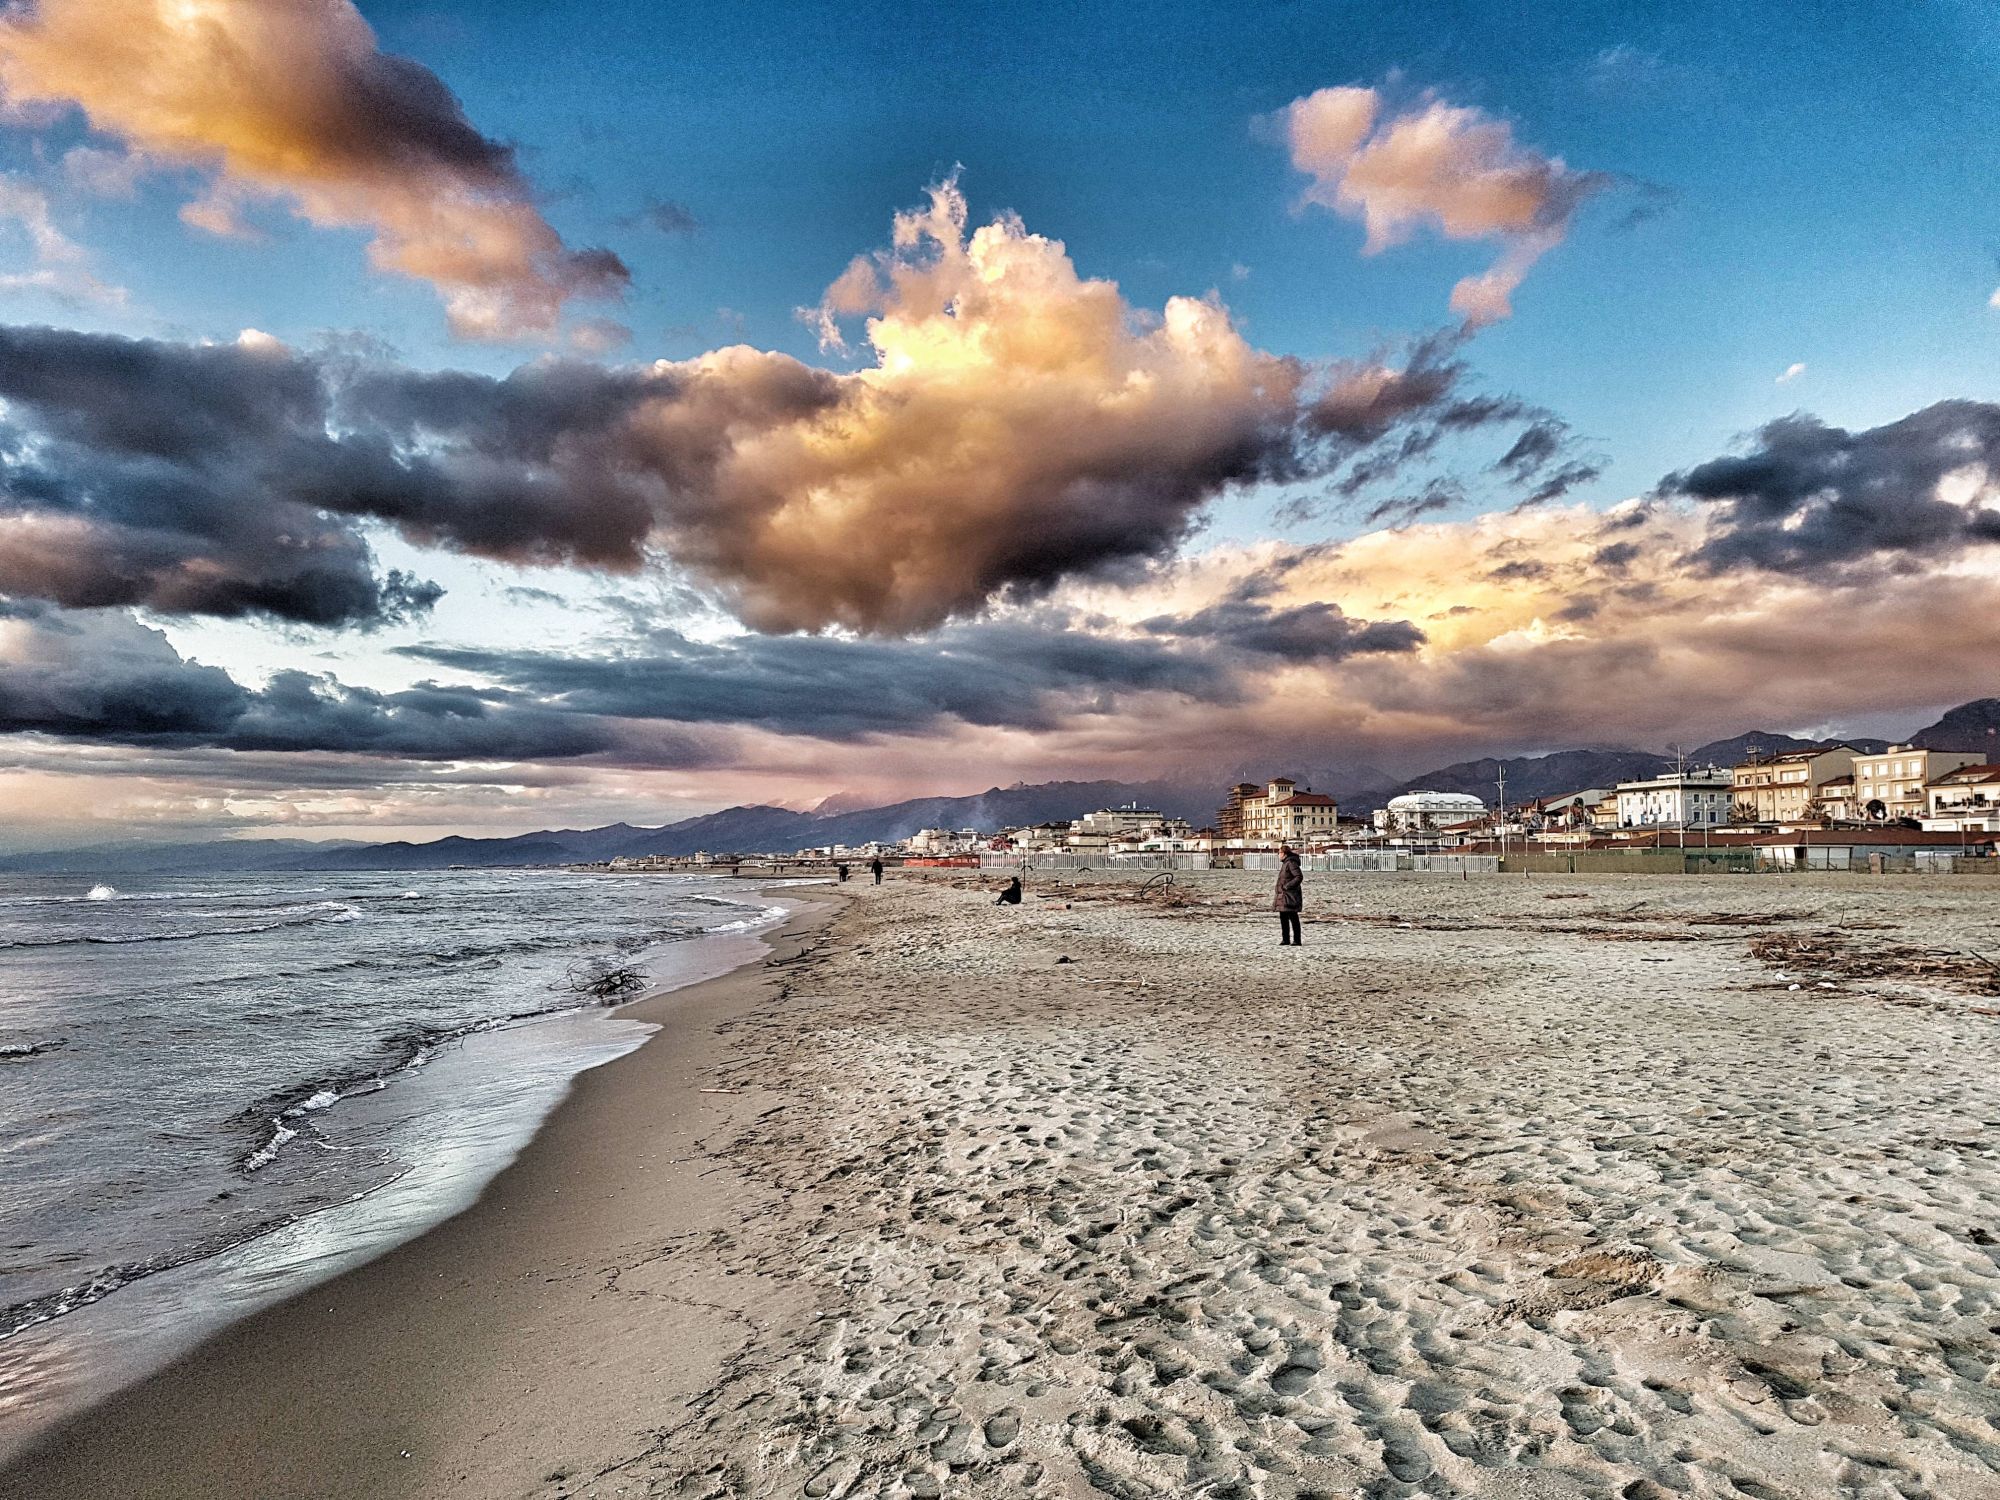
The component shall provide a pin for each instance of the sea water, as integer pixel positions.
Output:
(217, 1089)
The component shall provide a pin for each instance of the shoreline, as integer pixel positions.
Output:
(391, 1331)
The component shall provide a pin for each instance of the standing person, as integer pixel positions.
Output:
(842, 867)
(1289, 897)
(875, 868)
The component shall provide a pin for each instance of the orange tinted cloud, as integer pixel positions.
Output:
(1454, 168)
(293, 99)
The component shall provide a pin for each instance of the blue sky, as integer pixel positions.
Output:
(1796, 211)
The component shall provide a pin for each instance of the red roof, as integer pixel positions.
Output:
(1864, 836)
(1304, 799)
(1971, 773)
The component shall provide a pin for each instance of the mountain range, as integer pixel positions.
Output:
(1971, 726)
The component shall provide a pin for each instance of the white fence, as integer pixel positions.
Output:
(1005, 862)
(1384, 861)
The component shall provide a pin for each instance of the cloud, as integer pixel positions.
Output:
(668, 217)
(1453, 168)
(1807, 496)
(59, 265)
(1017, 424)
(100, 676)
(1792, 372)
(188, 479)
(296, 101)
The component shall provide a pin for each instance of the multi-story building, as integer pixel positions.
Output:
(1785, 788)
(1693, 798)
(1229, 817)
(1285, 814)
(1117, 822)
(1835, 803)
(1892, 785)
(1964, 801)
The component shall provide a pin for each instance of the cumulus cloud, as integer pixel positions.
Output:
(1456, 169)
(293, 99)
(1791, 372)
(1807, 496)
(1017, 424)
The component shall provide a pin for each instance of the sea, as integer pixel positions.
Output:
(216, 1090)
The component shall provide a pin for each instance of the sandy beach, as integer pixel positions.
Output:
(1564, 1187)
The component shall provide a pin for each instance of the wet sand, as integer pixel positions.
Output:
(1564, 1187)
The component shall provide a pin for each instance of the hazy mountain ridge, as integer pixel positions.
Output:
(762, 828)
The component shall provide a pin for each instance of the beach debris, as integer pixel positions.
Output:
(1065, 959)
(605, 982)
(1799, 957)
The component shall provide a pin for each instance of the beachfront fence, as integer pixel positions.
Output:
(1384, 861)
(1011, 862)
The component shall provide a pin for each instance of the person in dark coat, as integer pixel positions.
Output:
(1289, 898)
(875, 868)
(842, 867)
(1012, 895)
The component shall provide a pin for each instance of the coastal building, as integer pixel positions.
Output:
(1964, 801)
(1892, 785)
(1428, 812)
(1229, 817)
(1283, 813)
(1786, 788)
(1836, 803)
(1688, 798)
(1572, 810)
(1882, 848)
(1118, 822)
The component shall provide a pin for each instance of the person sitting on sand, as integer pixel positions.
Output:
(1289, 897)
(1012, 895)
(875, 867)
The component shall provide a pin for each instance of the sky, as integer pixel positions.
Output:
(426, 418)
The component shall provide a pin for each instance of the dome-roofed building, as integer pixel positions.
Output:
(1426, 812)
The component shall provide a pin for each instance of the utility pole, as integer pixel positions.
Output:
(1502, 812)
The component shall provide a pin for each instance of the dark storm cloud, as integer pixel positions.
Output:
(241, 479)
(100, 676)
(1809, 496)
(1314, 633)
(1014, 675)
(185, 479)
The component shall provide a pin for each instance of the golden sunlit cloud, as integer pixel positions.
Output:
(292, 99)
(1452, 167)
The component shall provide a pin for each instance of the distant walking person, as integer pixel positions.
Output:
(875, 868)
(1289, 897)
(1012, 895)
(843, 873)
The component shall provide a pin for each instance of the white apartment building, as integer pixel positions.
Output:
(1426, 812)
(1118, 822)
(1677, 799)
(1964, 801)
(1892, 785)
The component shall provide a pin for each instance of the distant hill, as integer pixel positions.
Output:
(1734, 751)
(762, 829)
(1190, 792)
(1970, 726)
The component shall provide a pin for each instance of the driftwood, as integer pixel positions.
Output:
(606, 983)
